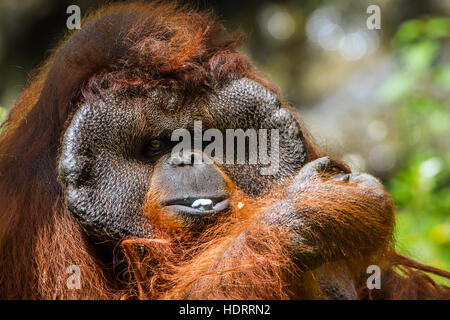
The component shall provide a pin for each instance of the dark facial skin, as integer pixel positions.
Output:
(193, 193)
(116, 149)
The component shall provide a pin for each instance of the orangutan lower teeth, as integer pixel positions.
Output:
(202, 204)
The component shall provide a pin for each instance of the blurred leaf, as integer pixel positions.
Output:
(440, 234)
(437, 27)
(409, 31)
(416, 29)
(396, 87)
(442, 76)
(420, 55)
(423, 105)
(3, 114)
(439, 122)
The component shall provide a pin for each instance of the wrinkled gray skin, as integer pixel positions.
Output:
(101, 164)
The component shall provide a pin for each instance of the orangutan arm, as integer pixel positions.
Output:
(346, 216)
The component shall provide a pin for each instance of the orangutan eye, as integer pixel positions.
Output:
(155, 145)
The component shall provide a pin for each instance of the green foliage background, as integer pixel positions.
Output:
(417, 95)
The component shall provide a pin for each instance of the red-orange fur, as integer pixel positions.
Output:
(39, 238)
(237, 258)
